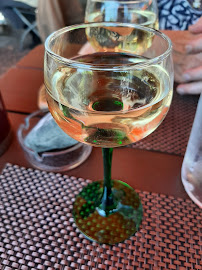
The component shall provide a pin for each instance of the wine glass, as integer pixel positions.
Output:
(112, 96)
(144, 12)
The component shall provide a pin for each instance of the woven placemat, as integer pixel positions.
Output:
(37, 230)
(173, 133)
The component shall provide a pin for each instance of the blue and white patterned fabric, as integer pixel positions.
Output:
(177, 14)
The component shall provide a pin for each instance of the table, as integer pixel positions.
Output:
(148, 171)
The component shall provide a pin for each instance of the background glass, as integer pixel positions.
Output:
(112, 96)
(192, 163)
(144, 12)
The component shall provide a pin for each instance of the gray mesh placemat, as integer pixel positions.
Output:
(173, 133)
(37, 230)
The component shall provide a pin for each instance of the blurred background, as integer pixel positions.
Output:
(18, 30)
(11, 31)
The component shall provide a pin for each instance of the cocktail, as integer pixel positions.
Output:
(113, 95)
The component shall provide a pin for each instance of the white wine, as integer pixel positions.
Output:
(143, 17)
(108, 95)
(119, 39)
(105, 108)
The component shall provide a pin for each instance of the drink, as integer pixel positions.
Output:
(5, 134)
(111, 39)
(90, 105)
(119, 39)
(124, 14)
(109, 97)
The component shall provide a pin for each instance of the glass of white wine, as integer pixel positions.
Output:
(113, 96)
(144, 12)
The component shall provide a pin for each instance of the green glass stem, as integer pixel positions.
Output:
(108, 203)
(108, 211)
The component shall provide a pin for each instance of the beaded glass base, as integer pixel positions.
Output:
(118, 224)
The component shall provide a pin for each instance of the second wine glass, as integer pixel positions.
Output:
(144, 12)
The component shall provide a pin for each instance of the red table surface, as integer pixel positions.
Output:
(34, 59)
(19, 89)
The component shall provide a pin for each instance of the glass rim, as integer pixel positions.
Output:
(89, 66)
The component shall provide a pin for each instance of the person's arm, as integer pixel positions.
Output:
(197, 27)
(194, 74)
(55, 14)
(187, 57)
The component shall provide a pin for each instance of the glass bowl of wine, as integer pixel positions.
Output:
(113, 94)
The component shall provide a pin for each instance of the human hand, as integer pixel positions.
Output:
(187, 57)
(197, 27)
